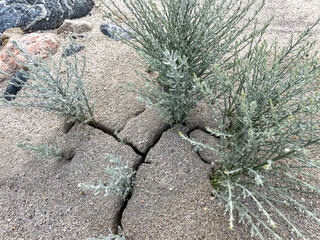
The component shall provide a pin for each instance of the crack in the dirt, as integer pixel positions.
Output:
(144, 156)
(114, 135)
(197, 152)
(135, 167)
(67, 126)
(120, 213)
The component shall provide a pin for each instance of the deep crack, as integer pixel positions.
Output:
(135, 167)
(67, 126)
(197, 152)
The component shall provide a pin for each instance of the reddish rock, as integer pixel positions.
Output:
(35, 44)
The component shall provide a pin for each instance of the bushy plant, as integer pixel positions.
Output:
(271, 97)
(46, 88)
(120, 179)
(43, 151)
(180, 39)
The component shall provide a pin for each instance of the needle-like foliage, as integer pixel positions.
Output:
(271, 98)
(48, 89)
(43, 151)
(120, 179)
(182, 38)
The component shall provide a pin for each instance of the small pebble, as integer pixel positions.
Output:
(15, 85)
(115, 32)
(71, 49)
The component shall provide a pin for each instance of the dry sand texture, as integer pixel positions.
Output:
(171, 198)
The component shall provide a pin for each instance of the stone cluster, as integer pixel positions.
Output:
(40, 14)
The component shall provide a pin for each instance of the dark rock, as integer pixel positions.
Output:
(40, 14)
(15, 85)
(115, 32)
(71, 49)
(0, 40)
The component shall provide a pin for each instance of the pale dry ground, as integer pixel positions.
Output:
(23, 180)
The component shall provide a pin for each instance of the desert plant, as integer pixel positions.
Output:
(120, 179)
(180, 39)
(46, 88)
(174, 103)
(112, 236)
(272, 100)
(43, 151)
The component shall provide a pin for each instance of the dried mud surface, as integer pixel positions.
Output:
(41, 200)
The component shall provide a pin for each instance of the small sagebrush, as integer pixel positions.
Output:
(120, 179)
(182, 38)
(43, 151)
(48, 89)
(266, 163)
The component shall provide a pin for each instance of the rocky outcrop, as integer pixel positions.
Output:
(40, 14)
(35, 44)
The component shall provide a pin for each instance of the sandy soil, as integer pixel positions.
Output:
(40, 200)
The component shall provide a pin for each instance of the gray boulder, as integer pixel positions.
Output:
(40, 14)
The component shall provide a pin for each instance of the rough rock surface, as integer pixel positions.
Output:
(74, 26)
(17, 33)
(72, 48)
(35, 44)
(40, 14)
(15, 85)
(115, 32)
(207, 155)
(143, 130)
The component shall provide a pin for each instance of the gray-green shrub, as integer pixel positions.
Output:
(47, 89)
(43, 151)
(180, 39)
(120, 179)
(271, 98)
